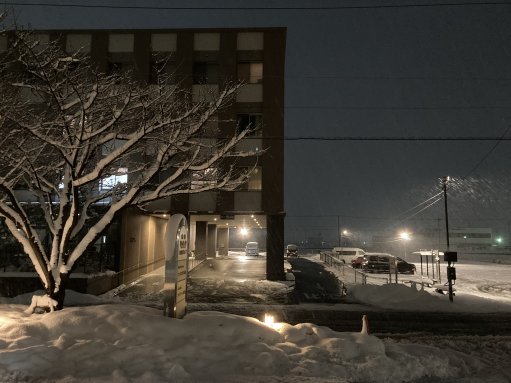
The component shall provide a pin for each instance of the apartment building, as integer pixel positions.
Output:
(202, 61)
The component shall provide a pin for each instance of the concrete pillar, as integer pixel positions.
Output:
(211, 241)
(201, 239)
(275, 247)
(223, 241)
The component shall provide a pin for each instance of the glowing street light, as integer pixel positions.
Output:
(405, 236)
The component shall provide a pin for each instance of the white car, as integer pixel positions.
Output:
(252, 248)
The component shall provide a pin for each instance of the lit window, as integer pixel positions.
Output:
(78, 42)
(121, 177)
(255, 179)
(204, 178)
(251, 73)
(206, 41)
(250, 41)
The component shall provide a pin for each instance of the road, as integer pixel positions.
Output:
(237, 268)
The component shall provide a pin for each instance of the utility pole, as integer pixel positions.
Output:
(338, 230)
(444, 181)
(449, 256)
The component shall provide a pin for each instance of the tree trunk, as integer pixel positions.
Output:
(60, 295)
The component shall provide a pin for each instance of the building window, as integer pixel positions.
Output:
(255, 180)
(206, 41)
(108, 183)
(120, 53)
(252, 122)
(251, 73)
(204, 178)
(120, 43)
(163, 42)
(205, 73)
(39, 40)
(250, 41)
(78, 42)
(163, 67)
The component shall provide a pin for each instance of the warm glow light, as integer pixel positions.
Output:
(269, 320)
(405, 236)
(345, 232)
(243, 231)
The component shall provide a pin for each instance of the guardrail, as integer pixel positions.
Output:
(351, 275)
(193, 263)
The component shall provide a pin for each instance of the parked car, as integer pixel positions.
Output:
(252, 248)
(380, 263)
(359, 262)
(291, 250)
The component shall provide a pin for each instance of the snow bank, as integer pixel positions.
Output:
(412, 298)
(127, 343)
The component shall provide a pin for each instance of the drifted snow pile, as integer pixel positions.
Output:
(127, 343)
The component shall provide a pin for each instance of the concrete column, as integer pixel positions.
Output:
(201, 239)
(275, 247)
(223, 241)
(211, 241)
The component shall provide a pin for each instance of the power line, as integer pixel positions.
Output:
(502, 138)
(369, 107)
(264, 8)
(370, 138)
(420, 211)
(418, 205)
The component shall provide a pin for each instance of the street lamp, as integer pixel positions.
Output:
(345, 233)
(405, 236)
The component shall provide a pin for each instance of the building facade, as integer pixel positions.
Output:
(202, 61)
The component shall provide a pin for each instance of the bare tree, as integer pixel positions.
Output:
(74, 138)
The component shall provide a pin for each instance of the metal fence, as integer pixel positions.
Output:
(194, 262)
(354, 276)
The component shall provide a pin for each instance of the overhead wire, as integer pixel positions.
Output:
(502, 138)
(263, 8)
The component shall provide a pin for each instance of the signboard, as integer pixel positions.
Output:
(176, 266)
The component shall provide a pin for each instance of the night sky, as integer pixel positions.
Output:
(409, 71)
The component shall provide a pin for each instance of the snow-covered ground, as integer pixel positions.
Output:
(479, 287)
(100, 339)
